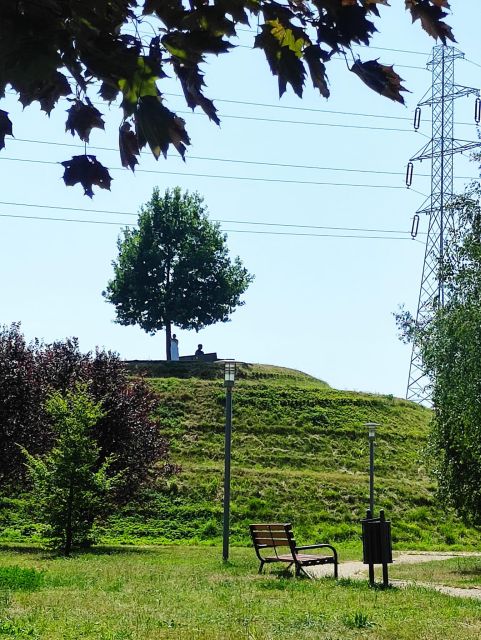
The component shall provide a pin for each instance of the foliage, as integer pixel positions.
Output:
(51, 49)
(450, 347)
(21, 397)
(175, 268)
(70, 486)
(188, 593)
(29, 372)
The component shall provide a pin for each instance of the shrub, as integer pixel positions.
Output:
(29, 373)
(71, 489)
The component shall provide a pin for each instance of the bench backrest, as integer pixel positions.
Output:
(205, 357)
(274, 534)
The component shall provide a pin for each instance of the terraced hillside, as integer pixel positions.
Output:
(299, 454)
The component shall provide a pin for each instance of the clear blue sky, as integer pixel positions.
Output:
(319, 304)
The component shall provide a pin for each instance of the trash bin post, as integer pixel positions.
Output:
(376, 543)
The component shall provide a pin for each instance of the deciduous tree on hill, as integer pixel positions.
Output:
(175, 268)
(53, 49)
(450, 346)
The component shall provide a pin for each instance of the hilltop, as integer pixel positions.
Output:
(299, 453)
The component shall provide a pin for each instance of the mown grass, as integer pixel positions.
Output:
(454, 572)
(187, 593)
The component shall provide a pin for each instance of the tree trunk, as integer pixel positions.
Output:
(168, 338)
(68, 524)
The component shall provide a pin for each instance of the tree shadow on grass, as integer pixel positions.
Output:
(100, 550)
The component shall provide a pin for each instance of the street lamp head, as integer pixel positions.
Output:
(372, 429)
(229, 373)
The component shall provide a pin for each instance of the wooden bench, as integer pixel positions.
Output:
(278, 536)
(205, 357)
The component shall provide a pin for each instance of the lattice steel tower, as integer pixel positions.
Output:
(440, 150)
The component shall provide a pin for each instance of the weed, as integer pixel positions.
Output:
(358, 620)
(16, 578)
(11, 629)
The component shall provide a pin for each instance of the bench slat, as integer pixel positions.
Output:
(272, 542)
(269, 530)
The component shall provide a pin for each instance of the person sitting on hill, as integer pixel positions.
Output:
(199, 353)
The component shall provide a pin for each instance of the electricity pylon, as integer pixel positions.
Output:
(440, 150)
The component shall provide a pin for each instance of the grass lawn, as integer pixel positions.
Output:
(455, 572)
(187, 593)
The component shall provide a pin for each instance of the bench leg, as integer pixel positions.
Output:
(261, 567)
(336, 569)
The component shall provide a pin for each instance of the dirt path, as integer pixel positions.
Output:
(358, 571)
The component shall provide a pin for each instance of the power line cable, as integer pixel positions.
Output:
(270, 105)
(472, 62)
(223, 177)
(288, 107)
(236, 161)
(357, 46)
(301, 122)
(282, 106)
(304, 122)
(277, 233)
(243, 222)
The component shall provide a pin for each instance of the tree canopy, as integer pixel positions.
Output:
(450, 347)
(53, 49)
(29, 373)
(175, 268)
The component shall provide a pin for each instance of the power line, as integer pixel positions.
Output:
(282, 106)
(236, 161)
(297, 122)
(472, 62)
(223, 177)
(303, 122)
(244, 222)
(359, 46)
(227, 160)
(277, 233)
(270, 105)
(288, 107)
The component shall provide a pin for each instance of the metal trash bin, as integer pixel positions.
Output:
(376, 544)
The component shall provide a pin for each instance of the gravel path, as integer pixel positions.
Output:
(358, 571)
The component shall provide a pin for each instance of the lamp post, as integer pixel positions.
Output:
(372, 437)
(229, 378)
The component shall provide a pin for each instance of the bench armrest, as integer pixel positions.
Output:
(318, 546)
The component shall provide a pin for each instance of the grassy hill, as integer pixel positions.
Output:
(299, 453)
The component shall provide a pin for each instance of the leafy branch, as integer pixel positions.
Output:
(51, 49)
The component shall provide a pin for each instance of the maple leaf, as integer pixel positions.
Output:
(192, 82)
(159, 127)
(169, 11)
(82, 118)
(283, 52)
(128, 146)
(45, 91)
(108, 92)
(88, 171)
(6, 127)
(380, 78)
(431, 18)
(314, 57)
